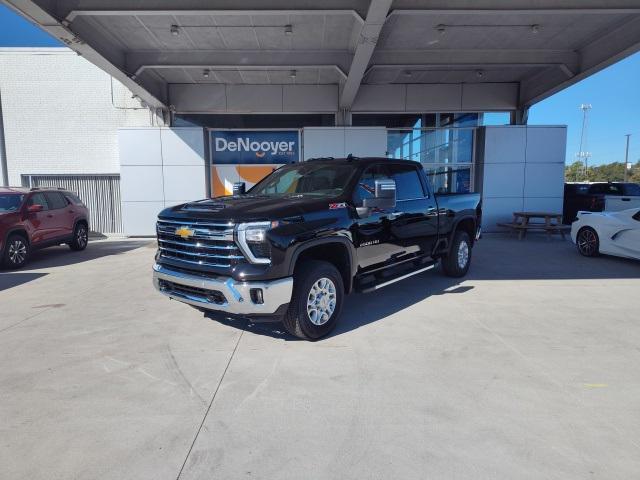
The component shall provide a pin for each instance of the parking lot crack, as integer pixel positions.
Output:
(213, 397)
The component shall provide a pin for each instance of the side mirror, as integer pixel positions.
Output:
(384, 195)
(239, 188)
(384, 198)
(35, 208)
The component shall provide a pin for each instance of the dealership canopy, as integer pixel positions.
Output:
(343, 55)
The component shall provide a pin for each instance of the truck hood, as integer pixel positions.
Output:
(249, 207)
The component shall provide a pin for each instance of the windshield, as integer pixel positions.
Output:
(10, 202)
(306, 178)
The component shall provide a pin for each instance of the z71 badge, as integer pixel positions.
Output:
(335, 206)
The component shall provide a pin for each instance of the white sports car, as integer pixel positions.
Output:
(613, 233)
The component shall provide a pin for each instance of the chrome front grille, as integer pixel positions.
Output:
(209, 244)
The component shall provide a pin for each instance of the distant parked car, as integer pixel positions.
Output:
(38, 218)
(613, 233)
(598, 197)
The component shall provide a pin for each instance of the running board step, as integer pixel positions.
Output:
(386, 283)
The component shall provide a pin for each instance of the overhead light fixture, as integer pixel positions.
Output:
(288, 30)
(205, 73)
(293, 74)
(535, 29)
(175, 31)
(479, 73)
(441, 29)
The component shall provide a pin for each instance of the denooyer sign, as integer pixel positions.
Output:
(254, 147)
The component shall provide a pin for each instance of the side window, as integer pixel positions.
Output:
(408, 185)
(637, 216)
(56, 200)
(73, 198)
(39, 199)
(366, 187)
(632, 189)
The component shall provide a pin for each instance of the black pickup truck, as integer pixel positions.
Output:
(295, 244)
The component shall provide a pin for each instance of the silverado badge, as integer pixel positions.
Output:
(184, 232)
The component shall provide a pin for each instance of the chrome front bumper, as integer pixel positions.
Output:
(236, 297)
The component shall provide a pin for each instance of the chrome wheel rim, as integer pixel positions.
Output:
(587, 242)
(17, 252)
(321, 301)
(463, 254)
(82, 236)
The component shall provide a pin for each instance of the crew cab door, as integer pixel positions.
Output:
(372, 234)
(415, 219)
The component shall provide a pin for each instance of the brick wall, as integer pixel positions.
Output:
(58, 113)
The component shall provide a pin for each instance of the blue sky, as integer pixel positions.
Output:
(614, 94)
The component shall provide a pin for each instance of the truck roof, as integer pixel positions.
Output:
(362, 160)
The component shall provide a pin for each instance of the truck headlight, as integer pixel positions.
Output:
(252, 240)
(255, 234)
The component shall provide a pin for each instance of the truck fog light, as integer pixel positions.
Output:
(256, 296)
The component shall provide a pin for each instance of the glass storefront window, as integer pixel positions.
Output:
(444, 180)
(446, 154)
(442, 145)
(496, 118)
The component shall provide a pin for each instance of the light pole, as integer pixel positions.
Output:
(585, 107)
(626, 158)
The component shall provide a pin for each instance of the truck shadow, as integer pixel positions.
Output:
(361, 309)
(498, 257)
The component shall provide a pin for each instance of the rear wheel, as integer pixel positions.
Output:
(16, 251)
(587, 242)
(316, 302)
(456, 262)
(80, 237)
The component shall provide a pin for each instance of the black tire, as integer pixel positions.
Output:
(587, 242)
(80, 237)
(16, 251)
(456, 262)
(298, 319)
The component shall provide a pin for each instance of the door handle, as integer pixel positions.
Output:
(49, 216)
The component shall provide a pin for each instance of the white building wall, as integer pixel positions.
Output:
(160, 167)
(341, 141)
(522, 168)
(58, 113)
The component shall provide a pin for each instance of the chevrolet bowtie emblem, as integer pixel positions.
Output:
(184, 232)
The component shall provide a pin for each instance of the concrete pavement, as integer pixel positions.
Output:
(527, 368)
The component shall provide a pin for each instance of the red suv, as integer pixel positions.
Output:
(38, 218)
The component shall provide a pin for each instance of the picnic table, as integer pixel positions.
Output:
(522, 223)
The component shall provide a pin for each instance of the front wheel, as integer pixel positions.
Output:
(80, 237)
(456, 262)
(587, 242)
(316, 302)
(16, 251)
